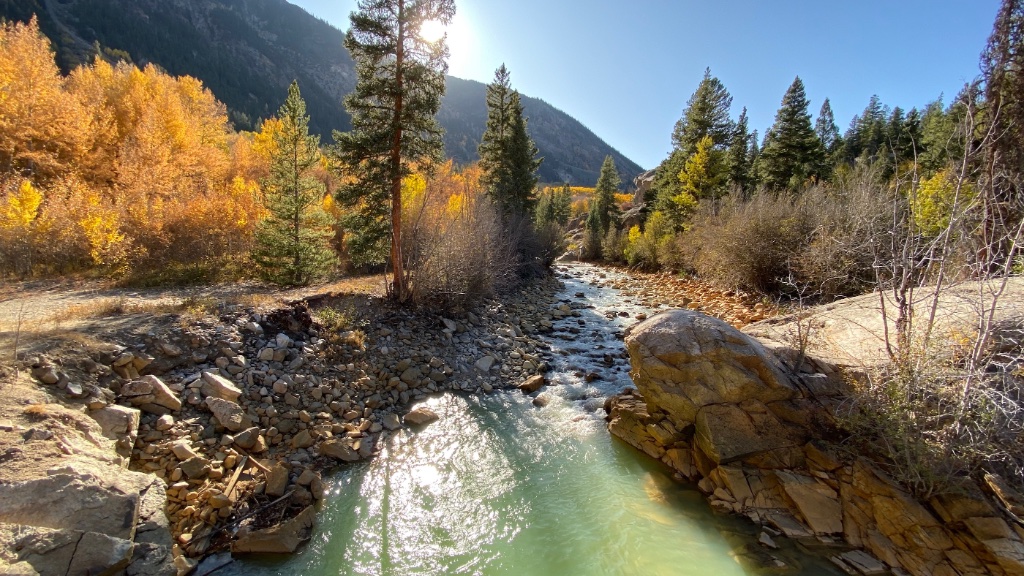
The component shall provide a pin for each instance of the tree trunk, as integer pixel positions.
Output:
(397, 265)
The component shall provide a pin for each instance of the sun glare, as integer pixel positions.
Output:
(432, 30)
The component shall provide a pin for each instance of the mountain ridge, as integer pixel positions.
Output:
(248, 51)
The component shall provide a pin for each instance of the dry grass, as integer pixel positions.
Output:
(37, 411)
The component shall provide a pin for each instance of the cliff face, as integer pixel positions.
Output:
(724, 410)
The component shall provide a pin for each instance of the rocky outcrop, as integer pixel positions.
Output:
(726, 412)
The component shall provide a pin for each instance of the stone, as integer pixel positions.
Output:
(100, 554)
(164, 423)
(484, 364)
(391, 422)
(229, 414)
(421, 416)
(765, 540)
(411, 376)
(150, 390)
(727, 432)
(339, 450)
(282, 340)
(220, 387)
(182, 451)
(195, 467)
(218, 501)
(816, 502)
(302, 440)
(118, 422)
(284, 538)
(80, 501)
(532, 384)
(789, 526)
(247, 439)
(277, 481)
(542, 400)
(863, 563)
(683, 361)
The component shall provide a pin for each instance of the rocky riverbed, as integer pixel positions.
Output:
(213, 432)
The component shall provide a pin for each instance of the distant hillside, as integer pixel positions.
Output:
(248, 51)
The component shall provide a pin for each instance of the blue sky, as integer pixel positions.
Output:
(626, 69)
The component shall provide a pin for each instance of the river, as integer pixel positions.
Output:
(501, 486)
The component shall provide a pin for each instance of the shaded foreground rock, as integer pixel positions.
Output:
(284, 538)
(724, 411)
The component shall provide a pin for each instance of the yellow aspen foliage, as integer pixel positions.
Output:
(42, 130)
(22, 207)
(938, 200)
(102, 231)
(456, 204)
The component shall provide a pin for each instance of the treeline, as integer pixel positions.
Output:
(131, 173)
(806, 210)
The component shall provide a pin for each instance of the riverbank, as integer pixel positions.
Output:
(237, 414)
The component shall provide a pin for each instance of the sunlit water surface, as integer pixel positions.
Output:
(499, 486)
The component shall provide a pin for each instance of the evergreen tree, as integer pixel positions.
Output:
(792, 152)
(293, 241)
(604, 195)
(939, 137)
(562, 204)
(706, 114)
(865, 137)
(400, 81)
(739, 167)
(1002, 66)
(592, 240)
(508, 156)
(753, 160)
(828, 134)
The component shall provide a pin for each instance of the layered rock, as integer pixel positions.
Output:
(725, 411)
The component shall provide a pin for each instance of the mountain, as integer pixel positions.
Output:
(248, 51)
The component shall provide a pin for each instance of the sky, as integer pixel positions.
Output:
(625, 69)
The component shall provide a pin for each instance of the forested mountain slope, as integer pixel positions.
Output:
(248, 51)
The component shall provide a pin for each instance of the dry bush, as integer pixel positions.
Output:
(458, 249)
(748, 245)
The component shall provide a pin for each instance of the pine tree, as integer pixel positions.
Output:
(828, 134)
(508, 156)
(604, 195)
(400, 81)
(562, 204)
(293, 241)
(792, 152)
(739, 168)
(753, 161)
(706, 114)
(704, 177)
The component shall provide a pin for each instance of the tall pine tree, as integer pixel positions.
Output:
(739, 168)
(393, 107)
(828, 134)
(293, 241)
(706, 114)
(508, 156)
(604, 195)
(792, 152)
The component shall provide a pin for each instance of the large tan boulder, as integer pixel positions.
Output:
(150, 394)
(684, 360)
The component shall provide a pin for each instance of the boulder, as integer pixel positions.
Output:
(284, 538)
(277, 481)
(816, 502)
(484, 364)
(683, 361)
(728, 432)
(532, 384)
(118, 422)
(391, 422)
(195, 467)
(148, 392)
(33, 550)
(73, 502)
(421, 416)
(339, 450)
(229, 414)
(220, 387)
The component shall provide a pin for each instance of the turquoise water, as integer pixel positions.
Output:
(499, 486)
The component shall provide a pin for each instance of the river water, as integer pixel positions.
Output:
(500, 486)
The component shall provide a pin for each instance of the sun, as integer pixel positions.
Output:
(432, 30)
